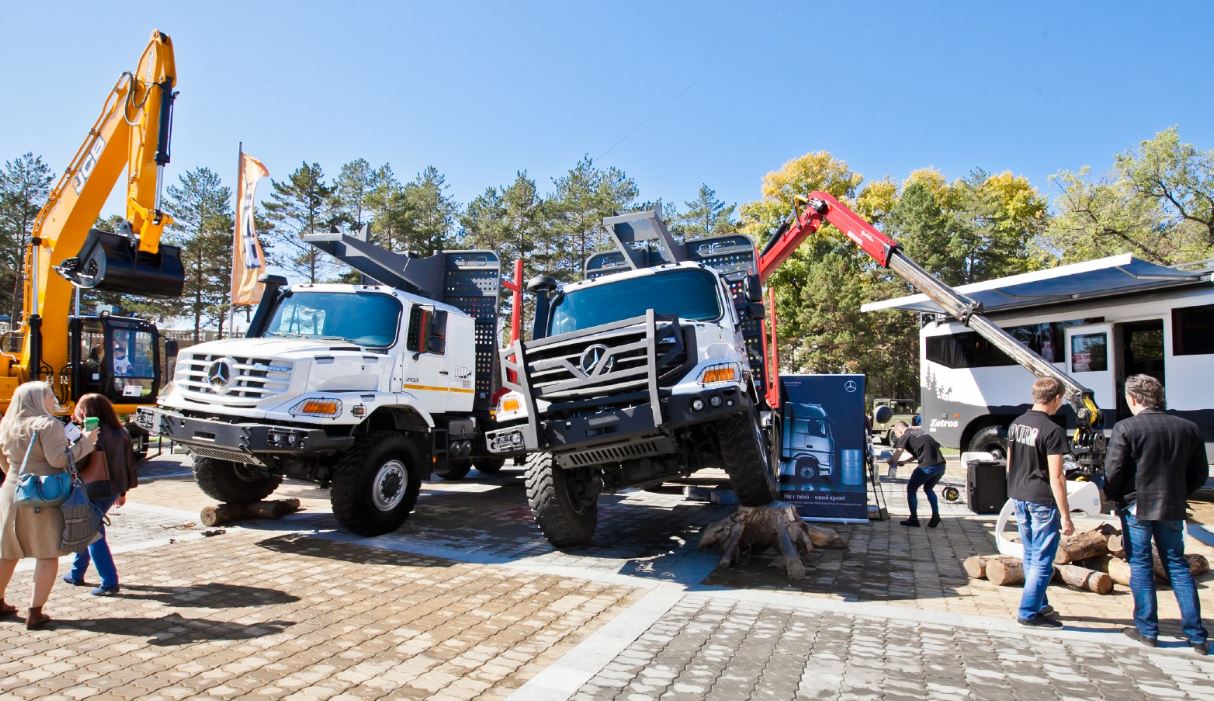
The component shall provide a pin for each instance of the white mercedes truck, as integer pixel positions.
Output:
(364, 389)
(649, 369)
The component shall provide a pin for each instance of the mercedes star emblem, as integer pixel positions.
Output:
(592, 363)
(219, 374)
(850, 386)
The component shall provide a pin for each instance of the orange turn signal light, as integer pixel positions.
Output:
(325, 407)
(720, 373)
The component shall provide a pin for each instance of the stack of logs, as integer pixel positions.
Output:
(1093, 560)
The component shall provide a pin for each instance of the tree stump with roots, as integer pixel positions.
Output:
(752, 529)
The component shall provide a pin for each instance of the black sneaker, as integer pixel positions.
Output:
(933, 522)
(1046, 610)
(1201, 648)
(1134, 634)
(1039, 621)
(912, 522)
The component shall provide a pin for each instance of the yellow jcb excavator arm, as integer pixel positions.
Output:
(133, 132)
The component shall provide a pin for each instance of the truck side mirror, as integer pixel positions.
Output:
(754, 288)
(419, 322)
(751, 310)
(170, 349)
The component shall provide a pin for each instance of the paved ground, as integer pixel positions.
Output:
(468, 601)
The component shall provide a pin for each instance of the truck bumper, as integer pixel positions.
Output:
(617, 434)
(252, 443)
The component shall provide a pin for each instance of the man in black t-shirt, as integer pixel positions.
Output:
(1037, 487)
(926, 452)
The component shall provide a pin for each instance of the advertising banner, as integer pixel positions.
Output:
(823, 448)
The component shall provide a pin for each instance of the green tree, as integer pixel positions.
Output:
(1157, 202)
(299, 206)
(582, 198)
(202, 225)
(25, 183)
(353, 192)
(705, 216)
(432, 212)
(389, 211)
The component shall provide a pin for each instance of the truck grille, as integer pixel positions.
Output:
(609, 362)
(248, 380)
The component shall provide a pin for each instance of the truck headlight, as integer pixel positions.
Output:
(511, 406)
(317, 407)
(725, 372)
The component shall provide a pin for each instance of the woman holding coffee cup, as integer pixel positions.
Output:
(109, 473)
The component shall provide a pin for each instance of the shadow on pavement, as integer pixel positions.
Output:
(310, 546)
(173, 629)
(210, 595)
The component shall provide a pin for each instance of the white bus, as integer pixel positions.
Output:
(1100, 321)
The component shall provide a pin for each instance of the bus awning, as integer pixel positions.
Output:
(1103, 277)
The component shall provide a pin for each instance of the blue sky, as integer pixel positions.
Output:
(674, 93)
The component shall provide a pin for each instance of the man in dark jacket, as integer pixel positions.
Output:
(1155, 462)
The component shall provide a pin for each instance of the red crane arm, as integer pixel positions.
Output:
(820, 208)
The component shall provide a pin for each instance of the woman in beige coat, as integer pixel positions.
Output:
(25, 532)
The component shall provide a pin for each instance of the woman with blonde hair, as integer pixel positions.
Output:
(30, 433)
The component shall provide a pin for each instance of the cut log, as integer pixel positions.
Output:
(1198, 565)
(1005, 571)
(1100, 564)
(1081, 546)
(1083, 578)
(1119, 570)
(975, 566)
(221, 514)
(751, 529)
(1116, 545)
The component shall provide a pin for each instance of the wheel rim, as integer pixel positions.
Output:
(388, 489)
(245, 473)
(580, 488)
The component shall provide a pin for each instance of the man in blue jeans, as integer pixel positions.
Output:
(1037, 486)
(926, 451)
(1155, 461)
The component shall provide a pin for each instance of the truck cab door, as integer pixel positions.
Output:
(1091, 360)
(426, 372)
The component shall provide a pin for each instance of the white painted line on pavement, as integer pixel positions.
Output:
(562, 678)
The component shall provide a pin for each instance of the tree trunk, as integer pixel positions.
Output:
(1119, 570)
(1116, 545)
(1005, 571)
(751, 529)
(977, 566)
(1083, 578)
(222, 514)
(1082, 546)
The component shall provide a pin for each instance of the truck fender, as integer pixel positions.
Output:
(399, 417)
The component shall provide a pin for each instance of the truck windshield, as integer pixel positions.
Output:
(368, 319)
(687, 293)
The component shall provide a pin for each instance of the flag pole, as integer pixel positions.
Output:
(236, 233)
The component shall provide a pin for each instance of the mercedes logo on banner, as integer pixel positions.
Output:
(850, 386)
(219, 374)
(592, 361)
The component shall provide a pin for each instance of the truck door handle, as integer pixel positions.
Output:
(443, 372)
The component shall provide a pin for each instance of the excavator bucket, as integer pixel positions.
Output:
(110, 262)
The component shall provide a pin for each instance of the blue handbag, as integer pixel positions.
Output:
(37, 491)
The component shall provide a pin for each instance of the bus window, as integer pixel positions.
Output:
(1191, 330)
(1089, 352)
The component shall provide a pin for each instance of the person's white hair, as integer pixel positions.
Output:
(28, 402)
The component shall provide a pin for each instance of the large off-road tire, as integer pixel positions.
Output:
(490, 466)
(992, 439)
(233, 483)
(376, 483)
(564, 502)
(746, 456)
(455, 470)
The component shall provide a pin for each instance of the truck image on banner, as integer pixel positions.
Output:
(823, 447)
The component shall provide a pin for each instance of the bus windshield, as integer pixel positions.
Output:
(368, 319)
(687, 293)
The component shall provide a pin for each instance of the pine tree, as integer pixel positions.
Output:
(352, 192)
(203, 224)
(432, 212)
(24, 185)
(706, 216)
(299, 206)
(583, 197)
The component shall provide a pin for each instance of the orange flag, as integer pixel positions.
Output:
(248, 259)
